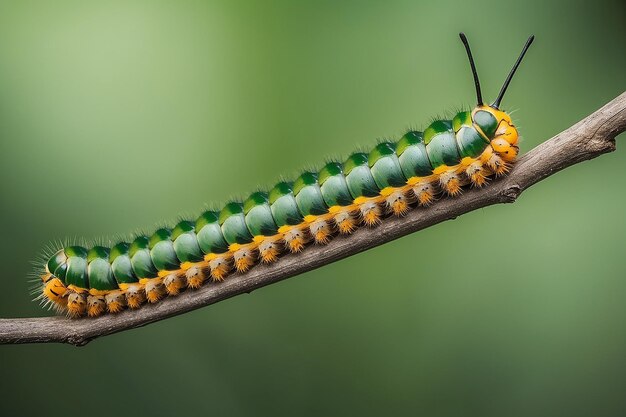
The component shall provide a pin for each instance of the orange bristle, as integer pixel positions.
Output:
(76, 304)
(244, 259)
(219, 268)
(135, 296)
(95, 305)
(268, 251)
(346, 223)
(321, 232)
(174, 283)
(195, 277)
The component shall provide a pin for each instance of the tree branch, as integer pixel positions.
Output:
(587, 139)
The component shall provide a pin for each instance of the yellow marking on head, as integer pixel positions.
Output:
(55, 291)
(507, 132)
(504, 149)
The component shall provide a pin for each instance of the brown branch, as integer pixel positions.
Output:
(587, 139)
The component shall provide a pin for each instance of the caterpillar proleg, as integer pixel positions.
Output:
(361, 191)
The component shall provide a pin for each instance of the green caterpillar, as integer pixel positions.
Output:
(393, 177)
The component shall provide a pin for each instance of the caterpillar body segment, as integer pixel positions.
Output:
(361, 191)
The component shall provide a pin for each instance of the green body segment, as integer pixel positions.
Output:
(141, 259)
(258, 215)
(333, 185)
(412, 155)
(76, 273)
(162, 251)
(385, 166)
(233, 223)
(186, 243)
(121, 265)
(469, 141)
(210, 237)
(359, 176)
(99, 269)
(283, 205)
(416, 154)
(308, 195)
(441, 144)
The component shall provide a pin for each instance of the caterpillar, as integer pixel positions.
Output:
(391, 179)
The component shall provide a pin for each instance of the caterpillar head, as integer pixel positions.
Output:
(497, 126)
(493, 123)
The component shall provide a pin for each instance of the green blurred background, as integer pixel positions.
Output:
(118, 116)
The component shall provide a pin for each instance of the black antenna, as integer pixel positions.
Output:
(479, 96)
(496, 103)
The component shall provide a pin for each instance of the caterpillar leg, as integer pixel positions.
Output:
(321, 230)
(135, 295)
(219, 266)
(369, 210)
(244, 258)
(155, 290)
(449, 180)
(424, 191)
(295, 238)
(76, 304)
(115, 301)
(494, 162)
(96, 305)
(174, 282)
(345, 220)
(269, 249)
(477, 173)
(396, 200)
(196, 275)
